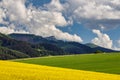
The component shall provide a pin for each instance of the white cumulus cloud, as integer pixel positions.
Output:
(117, 47)
(102, 39)
(15, 9)
(95, 14)
(54, 5)
(41, 21)
(118, 42)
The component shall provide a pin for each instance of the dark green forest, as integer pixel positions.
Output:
(16, 46)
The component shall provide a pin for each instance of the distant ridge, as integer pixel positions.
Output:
(52, 38)
(29, 45)
(69, 47)
(96, 47)
(91, 45)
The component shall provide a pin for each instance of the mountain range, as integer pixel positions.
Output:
(28, 45)
(70, 47)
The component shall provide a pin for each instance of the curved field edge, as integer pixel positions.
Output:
(23, 71)
(107, 63)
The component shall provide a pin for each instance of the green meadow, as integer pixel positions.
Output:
(106, 62)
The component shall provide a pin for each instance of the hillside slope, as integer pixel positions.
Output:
(6, 53)
(21, 46)
(26, 48)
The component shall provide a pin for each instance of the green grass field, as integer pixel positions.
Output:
(107, 63)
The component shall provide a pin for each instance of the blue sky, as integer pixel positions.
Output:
(81, 21)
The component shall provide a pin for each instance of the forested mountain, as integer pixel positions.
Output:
(28, 45)
(68, 47)
(12, 48)
(6, 53)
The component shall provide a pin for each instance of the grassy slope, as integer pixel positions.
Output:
(22, 71)
(108, 63)
(6, 53)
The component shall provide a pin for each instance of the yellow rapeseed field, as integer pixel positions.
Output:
(21, 71)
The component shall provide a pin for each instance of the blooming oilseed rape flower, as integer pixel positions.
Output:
(22, 71)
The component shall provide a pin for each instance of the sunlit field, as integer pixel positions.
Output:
(23, 71)
(106, 63)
